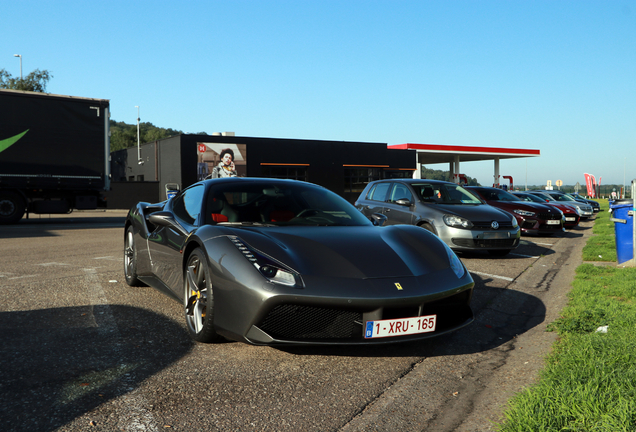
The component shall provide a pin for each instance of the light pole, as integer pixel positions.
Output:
(139, 161)
(19, 55)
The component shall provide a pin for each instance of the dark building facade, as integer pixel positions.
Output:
(344, 167)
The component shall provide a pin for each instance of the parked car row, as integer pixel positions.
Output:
(584, 209)
(570, 213)
(474, 217)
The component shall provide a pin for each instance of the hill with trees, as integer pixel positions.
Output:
(123, 135)
(445, 176)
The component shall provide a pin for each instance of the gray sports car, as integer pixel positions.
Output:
(279, 262)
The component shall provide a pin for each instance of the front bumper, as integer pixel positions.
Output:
(480, 239)
(333, 311)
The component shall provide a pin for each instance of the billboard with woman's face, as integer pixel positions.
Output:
(218, 160)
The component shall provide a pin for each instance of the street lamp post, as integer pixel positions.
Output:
(139, 161)
(19, 55)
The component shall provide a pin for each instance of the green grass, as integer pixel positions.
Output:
(589, 381)
(602, 245)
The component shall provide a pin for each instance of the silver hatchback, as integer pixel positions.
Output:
(462, 220)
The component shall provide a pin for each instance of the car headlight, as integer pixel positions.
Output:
(268, 267)
(455, 263)
(457, 222)
(523, 212)
(578, 211)
(514, 222)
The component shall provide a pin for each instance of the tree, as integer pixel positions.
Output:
(35, 81)
(124, 135)
(445, 176)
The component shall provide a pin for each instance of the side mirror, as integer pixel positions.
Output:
(164, 218)
(403, 202)
(378, 219)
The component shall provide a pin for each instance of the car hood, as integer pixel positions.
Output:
(474, 213)
(350, 252)
(578, 204)
(522, 205)
(564, 208)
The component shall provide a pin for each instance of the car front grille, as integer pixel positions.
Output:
(549, 216)
(528, 224)
(485, 244)
(482, 225)
(307, 322)
(290, 322)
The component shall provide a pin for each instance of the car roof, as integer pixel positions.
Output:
(411, 181)
(482, 187)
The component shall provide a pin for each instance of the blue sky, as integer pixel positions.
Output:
(558, 76)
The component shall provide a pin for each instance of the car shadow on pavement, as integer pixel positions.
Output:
(58, 364)
(45, 227)
(500, 316)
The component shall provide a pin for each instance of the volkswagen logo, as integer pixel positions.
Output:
(494, 225)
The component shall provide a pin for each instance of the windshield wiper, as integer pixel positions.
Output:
(245, 224)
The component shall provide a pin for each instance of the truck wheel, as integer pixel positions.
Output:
(12, 207)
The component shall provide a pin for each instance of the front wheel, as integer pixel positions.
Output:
(12, 207)
(198, 299)
(428, 227)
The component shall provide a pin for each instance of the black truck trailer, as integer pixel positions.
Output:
(54, 153)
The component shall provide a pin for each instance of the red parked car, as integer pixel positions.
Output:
(572, 218)
(533, 218)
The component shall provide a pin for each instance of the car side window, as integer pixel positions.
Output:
(400, 191)
(378, 192)
(187, 206)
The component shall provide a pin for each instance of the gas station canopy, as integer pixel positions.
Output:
(428, 154)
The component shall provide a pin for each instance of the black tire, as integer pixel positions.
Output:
(428, 227)
(130, 259)
(198, 299)
(499, 252)
(12, 207)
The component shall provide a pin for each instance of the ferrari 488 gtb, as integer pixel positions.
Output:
(283, 262)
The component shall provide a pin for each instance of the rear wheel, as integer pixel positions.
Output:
(130, 259)
(12, 207)
(198, 299)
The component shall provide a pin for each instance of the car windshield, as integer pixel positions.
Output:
(543, 196)
(530, 197)
(279, 203)
(444, 193)
(561, 197)
(498, 195)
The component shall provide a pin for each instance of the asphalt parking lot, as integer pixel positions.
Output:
(80, 349)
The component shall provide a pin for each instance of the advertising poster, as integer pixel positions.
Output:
(218, 160)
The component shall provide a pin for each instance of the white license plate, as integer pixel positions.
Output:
(496, 235)
(570, 219)
(400, 326)
(554, 222)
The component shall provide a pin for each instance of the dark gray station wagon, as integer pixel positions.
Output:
(462, 220)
